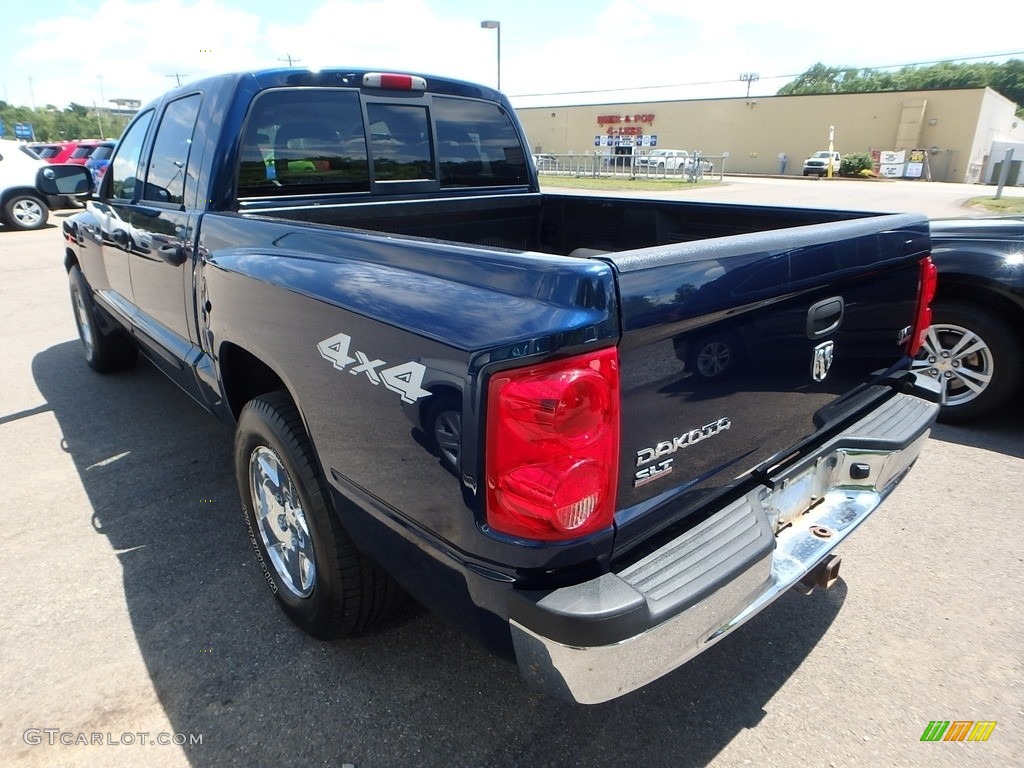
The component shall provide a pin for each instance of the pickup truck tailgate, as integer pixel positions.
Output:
(736, 349)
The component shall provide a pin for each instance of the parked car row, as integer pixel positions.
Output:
(94, 154)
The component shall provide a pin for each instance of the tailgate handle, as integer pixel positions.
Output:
(824, 317)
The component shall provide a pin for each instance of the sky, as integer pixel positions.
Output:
(553, 52)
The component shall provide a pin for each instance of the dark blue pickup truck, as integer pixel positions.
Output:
(597, 434)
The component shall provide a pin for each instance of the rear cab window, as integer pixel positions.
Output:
(303, 141)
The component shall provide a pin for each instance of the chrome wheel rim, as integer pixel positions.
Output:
(281, 522)
(959, 359)
(82, 316)
(713, 359)
(448, 434)
(27, 212)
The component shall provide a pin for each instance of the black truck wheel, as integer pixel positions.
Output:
(104, 352)
(975, 355)
(24, 211)
(321, 581)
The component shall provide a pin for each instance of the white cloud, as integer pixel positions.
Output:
(128, 48)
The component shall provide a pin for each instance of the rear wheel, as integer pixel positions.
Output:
(321, 581)
(975, 355)
(104, 352)
(25, 212)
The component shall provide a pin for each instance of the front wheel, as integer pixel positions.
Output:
(309, 562)
(105, 352)
(975, 355)
(25, 212)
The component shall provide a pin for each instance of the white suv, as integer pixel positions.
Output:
(21, 207)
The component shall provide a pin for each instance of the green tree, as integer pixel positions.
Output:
(52, 124)
(1006, 78)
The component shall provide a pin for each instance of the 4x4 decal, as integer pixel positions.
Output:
(406, 378)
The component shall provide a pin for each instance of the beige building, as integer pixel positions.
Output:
(956, 127)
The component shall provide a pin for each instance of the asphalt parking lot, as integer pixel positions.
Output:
(134, 606)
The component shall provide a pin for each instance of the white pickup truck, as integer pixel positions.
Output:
(665, 160)
(818, 163)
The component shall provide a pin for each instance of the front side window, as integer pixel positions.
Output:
(124, 167)
(165, 181)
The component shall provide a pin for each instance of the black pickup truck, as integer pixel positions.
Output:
(597, 434)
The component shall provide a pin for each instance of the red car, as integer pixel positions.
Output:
(62, 151)
(82, 151)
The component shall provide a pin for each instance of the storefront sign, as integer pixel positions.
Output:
(616, 119)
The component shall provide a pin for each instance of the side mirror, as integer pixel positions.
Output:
(67, 180)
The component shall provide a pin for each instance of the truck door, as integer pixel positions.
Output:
(113, 219)
(160, 265)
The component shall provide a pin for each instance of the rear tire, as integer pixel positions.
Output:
(321, 581)
(104, 352)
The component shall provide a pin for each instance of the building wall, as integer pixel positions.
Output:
(956, 126)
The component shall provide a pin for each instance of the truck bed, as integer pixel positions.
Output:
(550, 223)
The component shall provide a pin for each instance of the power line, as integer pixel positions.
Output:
(767, 77)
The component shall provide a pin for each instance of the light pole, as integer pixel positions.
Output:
(103, 104)
(495, 25)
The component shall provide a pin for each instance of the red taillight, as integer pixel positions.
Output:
(553, 447)
(925, 295)
(394, 82)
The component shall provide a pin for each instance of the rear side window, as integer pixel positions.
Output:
(81, 152)
(303, 141)
(477, 144)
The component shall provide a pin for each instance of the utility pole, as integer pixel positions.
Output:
(32, 91)
(289, 58)
(177, 76)
(748, 78)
